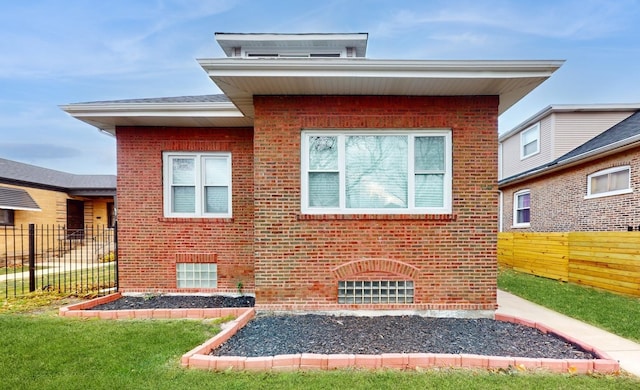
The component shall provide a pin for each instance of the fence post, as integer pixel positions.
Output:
(32, 257)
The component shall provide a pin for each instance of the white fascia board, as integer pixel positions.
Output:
(217, 109)
(358, 67)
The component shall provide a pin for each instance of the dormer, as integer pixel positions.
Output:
(293, 45)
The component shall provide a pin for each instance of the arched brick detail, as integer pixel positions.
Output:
(375, 265)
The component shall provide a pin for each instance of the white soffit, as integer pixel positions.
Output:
(252, 42)
(106, 115)
(240, 78)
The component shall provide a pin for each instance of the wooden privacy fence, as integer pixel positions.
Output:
(607, 260)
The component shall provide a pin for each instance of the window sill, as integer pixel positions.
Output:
(612, 193)
(195, 220)
(521, 226)
(357, 217)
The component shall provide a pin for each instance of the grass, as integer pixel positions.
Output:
(616, 313)
(44, 351)
(80, 281)
(40, 350)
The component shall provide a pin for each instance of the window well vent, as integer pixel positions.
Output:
(375, 292)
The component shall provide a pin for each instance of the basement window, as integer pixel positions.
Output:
(375, 292)
(197, 275)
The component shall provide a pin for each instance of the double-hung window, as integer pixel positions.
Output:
(394, 172)
(522, 208)
(530, 141)
(197, 185)
(612, 181)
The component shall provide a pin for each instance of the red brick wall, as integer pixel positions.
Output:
(558, 204)
(298, 258)
(150, 244)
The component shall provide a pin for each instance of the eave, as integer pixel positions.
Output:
(107, 115)
(241, 78)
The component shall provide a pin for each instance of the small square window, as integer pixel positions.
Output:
(197, 185)
(530, 141)
(7, 217)
(196, 275)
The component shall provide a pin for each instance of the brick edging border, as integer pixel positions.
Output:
(199, 358)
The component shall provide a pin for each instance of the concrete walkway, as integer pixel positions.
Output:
(625, 351)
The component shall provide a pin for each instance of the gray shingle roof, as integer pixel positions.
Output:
(19, 173)
(16, 199)
(219, 98)
(622, 133)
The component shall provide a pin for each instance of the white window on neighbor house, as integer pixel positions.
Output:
(522, 208)
(530, 141)
(197, 185)
(393, 172)
(612, 181)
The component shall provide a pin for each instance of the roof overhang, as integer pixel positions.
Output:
(107, 115)
(241, 78)
(256, 42)
(17, 199)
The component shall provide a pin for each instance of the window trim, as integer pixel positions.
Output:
(411, 209)
(517, 224)
(609, 171)
(534, 128)
(199, 197)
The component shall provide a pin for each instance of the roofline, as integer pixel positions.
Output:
(603, 151)
(252, 37)
(610, 107)
(149, 109)
(357, 66)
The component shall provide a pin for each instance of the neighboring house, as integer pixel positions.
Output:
(590, 188)
(554, 131)
(41, 196)
(319, 180)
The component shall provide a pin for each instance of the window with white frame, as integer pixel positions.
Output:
(612, 181)
(522, 208)
(530, 141)
(393, 172)
(197, 185)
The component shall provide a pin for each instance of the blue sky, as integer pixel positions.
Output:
(58, 52)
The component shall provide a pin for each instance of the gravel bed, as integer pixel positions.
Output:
(175, 302)
(269, 335)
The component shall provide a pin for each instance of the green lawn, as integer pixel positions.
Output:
(616, 313)
(43, 351)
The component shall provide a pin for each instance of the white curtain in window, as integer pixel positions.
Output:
(429, 165)
(376, 171)
(183, 185)
(216, 184)
(324, 179)
(183, 199)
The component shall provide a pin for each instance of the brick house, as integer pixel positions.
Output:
(588, 188)
(320, 179)
(34, 195)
